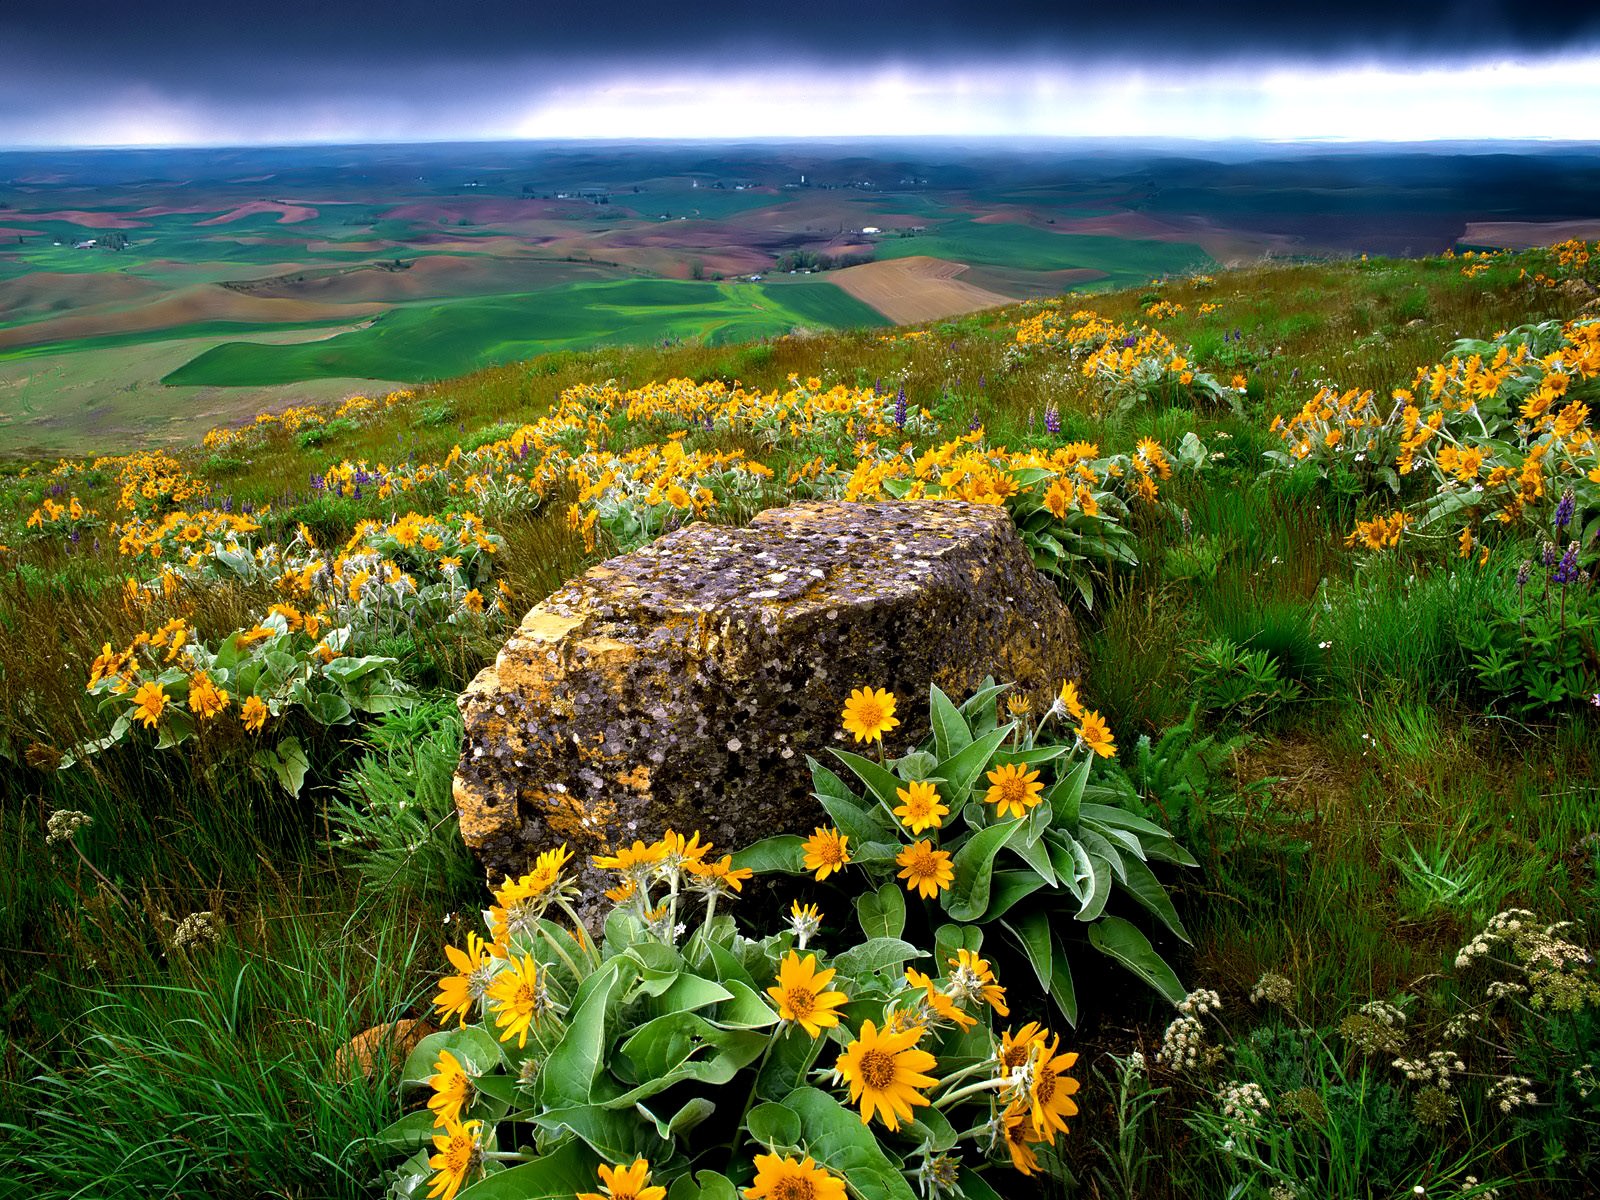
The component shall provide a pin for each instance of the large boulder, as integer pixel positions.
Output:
(684, 684)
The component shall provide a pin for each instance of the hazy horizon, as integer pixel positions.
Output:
(338, 73)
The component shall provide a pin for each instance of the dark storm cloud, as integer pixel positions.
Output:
(227, 38)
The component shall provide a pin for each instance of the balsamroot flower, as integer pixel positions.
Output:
(793, 1179)
(802, 996)
(869, 714)
(926, 871)
(885, 1071)
(827, 851)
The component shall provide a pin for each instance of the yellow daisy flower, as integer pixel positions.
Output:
(518, 999)
(885, 1071)
(827, 851)
(452, 1089)
(920, 806)
(869, 714)
(926, 871)
(1014, 790)
(459, 1155)
(626, 1183)
(800, 995)
(1097, 735)
(792, 1179)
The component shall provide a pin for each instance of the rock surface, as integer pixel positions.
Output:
(682, 686)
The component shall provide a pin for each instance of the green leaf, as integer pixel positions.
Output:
(616, 1136)
(785, 853)
(707, 1185)
(961, 770)
(474, 1047)
(874, 955)
(1008, 889)
(410, 1131)
(1032, 931)
(932, 1128)
(1035, 853)
(949, 938)
(975, 1187)
(1099, 890)
(839, 1141)
(746, 1009)
(567, 1079)
(1123, 941)
(880, 781)
(979, 708)
(1143, 886)
(1066, 797)
(950, 732)
(329, 708)
(687, 993)
(1098, 847)
(968, 894)
(1062, 990)
(882, 913)
(785, 1069)
(694, 1112)
(857, 822)
(1104, 814)
(559, 1175)
(773, 1125)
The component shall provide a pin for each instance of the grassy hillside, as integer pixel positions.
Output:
(1325, 666)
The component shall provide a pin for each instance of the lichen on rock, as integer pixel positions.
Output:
(683, 685)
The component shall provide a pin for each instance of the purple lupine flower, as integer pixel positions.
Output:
(1565, 508)
(1523, 573)
(317, 482)
(1567, 569)
(900, 408)
(1129, 342)
(983, 381)
(1547, 555)
(58, 489)
(1052, 419)
(972, 425)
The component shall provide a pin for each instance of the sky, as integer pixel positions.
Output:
(226, 72)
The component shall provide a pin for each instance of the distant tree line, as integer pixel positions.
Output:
(815, 260)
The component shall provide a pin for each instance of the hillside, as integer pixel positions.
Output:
(1329, 532)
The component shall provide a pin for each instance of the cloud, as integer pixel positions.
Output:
(1556, 97)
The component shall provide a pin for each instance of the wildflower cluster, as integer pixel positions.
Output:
(553, 1030)
(57, 520)
(1497, 435)
(355, 409)
(1130, 362)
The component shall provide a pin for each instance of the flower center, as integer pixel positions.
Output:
(1044, 1086)
(1012, 790)
(877, 1069)
(801, 1001)
(923, 863)
(792, 1188)
(870, 714)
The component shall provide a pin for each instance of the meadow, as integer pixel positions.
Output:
(1333, 567)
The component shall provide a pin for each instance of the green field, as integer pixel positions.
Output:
(1125, 261)
(434, 341)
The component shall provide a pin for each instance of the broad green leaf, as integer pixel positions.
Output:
(1071, 863)
(1062, 990)
(961, 770)
(567, 1078)
(933, 1128)
(1008, 889)
(785, 853)
(1099, 848)
(1105, 814)
(677, 1047)
(706, 1185)
(947, 939)
(882, 913)
(875, 955)
(919, 764)
(1123, 941)
(474, 1048)
(950, 732)
(688, 993)
(693, 1112)
(975, 1187)
(838, 1140)
(559, 1175)
(773, 1125)
(1121, 838)
(745, 1010)
(410, 1131)
(973, 864)
(1168, 851)
(1099, 890)
(880, 781)
(616, 1136)
(1035, 853)
(1066, 797)
(1032, 932)
(979, 708)
(1142, 884)
(786, 1066)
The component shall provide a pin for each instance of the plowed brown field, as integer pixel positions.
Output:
(911, 290)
